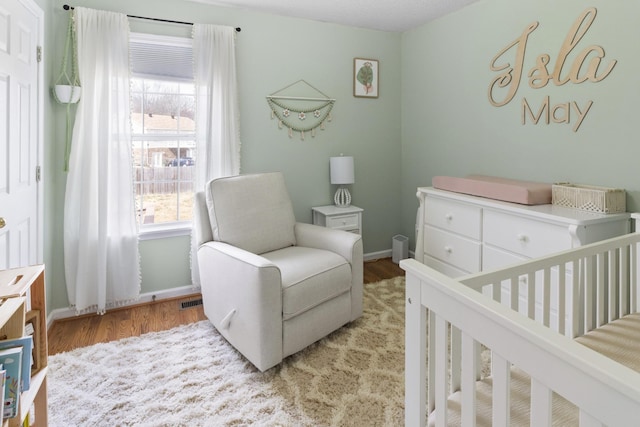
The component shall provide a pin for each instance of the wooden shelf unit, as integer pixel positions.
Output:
(23, 299)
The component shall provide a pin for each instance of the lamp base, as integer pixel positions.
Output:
(342, 199)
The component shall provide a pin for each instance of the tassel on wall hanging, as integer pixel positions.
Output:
(300, 107)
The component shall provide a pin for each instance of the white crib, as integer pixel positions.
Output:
(537, 349)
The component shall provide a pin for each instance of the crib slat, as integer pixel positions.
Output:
(612, 309)
(470, 350)
(531, 295)
(576, 326)
(455, 359)
(541, 404)
(501, 372)
(514, 294)
(431, 363)
(479, 373)
(546, 297)
(442, 371)
(588, 295)
(623, 275)
(562, 298)
(600, 297)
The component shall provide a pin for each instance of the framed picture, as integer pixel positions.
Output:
(366, 77)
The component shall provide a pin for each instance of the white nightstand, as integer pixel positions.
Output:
(331, 216)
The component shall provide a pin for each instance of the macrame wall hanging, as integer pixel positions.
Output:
(300, 107)
(67, 88)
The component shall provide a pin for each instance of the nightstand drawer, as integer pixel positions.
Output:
(343, 222)
(338, 218)
(524, 236)
(460, 218)
(456, 250)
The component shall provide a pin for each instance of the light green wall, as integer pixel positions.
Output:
(272, 52)
(450, 128)
(433, 116)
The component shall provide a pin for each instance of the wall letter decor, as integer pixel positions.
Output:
(587, 65)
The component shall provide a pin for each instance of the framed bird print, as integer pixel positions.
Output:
(365, 78)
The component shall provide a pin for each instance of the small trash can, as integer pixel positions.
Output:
(399, 248)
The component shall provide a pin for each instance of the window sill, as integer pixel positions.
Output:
(175, 229)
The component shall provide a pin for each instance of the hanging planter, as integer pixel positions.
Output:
(66, 89)
(67, 94)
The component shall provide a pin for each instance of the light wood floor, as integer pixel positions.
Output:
(71, 333)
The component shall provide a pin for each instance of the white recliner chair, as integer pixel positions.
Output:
(270, 285)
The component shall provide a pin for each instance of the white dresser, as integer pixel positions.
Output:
(460, 234)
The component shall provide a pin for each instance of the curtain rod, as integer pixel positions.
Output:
(67, 7)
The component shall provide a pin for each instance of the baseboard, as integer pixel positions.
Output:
(377, 255)
(371, 256)
(147, 297)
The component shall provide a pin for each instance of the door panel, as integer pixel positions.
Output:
(20, 130)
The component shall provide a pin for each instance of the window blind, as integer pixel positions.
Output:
(161, 56)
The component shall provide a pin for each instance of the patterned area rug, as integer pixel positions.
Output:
(190, 376)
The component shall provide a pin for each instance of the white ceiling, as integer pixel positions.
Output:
(385, 15)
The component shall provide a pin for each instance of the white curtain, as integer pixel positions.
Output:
(217, 111)
(102, 264)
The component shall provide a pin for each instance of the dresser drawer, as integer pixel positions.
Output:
(524, 236)
(460, 218)
(343, 222)
(443, 267)
(493, 258)
(453, 249)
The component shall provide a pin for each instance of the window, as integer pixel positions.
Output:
(163, 131)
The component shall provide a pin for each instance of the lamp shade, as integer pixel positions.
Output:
(342, 171)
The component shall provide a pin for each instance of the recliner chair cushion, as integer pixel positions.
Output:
(252, 212)
(309, 277)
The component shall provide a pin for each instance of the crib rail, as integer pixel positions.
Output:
(509, 311)
(580, 289)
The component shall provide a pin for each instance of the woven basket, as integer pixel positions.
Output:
(589, 198)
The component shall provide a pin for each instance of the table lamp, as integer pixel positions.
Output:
(342, 173)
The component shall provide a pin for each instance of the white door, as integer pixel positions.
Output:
(21, 28)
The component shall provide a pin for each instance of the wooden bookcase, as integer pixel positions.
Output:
(23, 300)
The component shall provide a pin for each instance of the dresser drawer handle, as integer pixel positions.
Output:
(448, 217)
(448, 249)
(523, 238)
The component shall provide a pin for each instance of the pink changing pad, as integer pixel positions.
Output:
(508, 190)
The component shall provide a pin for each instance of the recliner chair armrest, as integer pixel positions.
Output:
(242, 297)
(341, 242)
(348, 245)
(236, 254)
